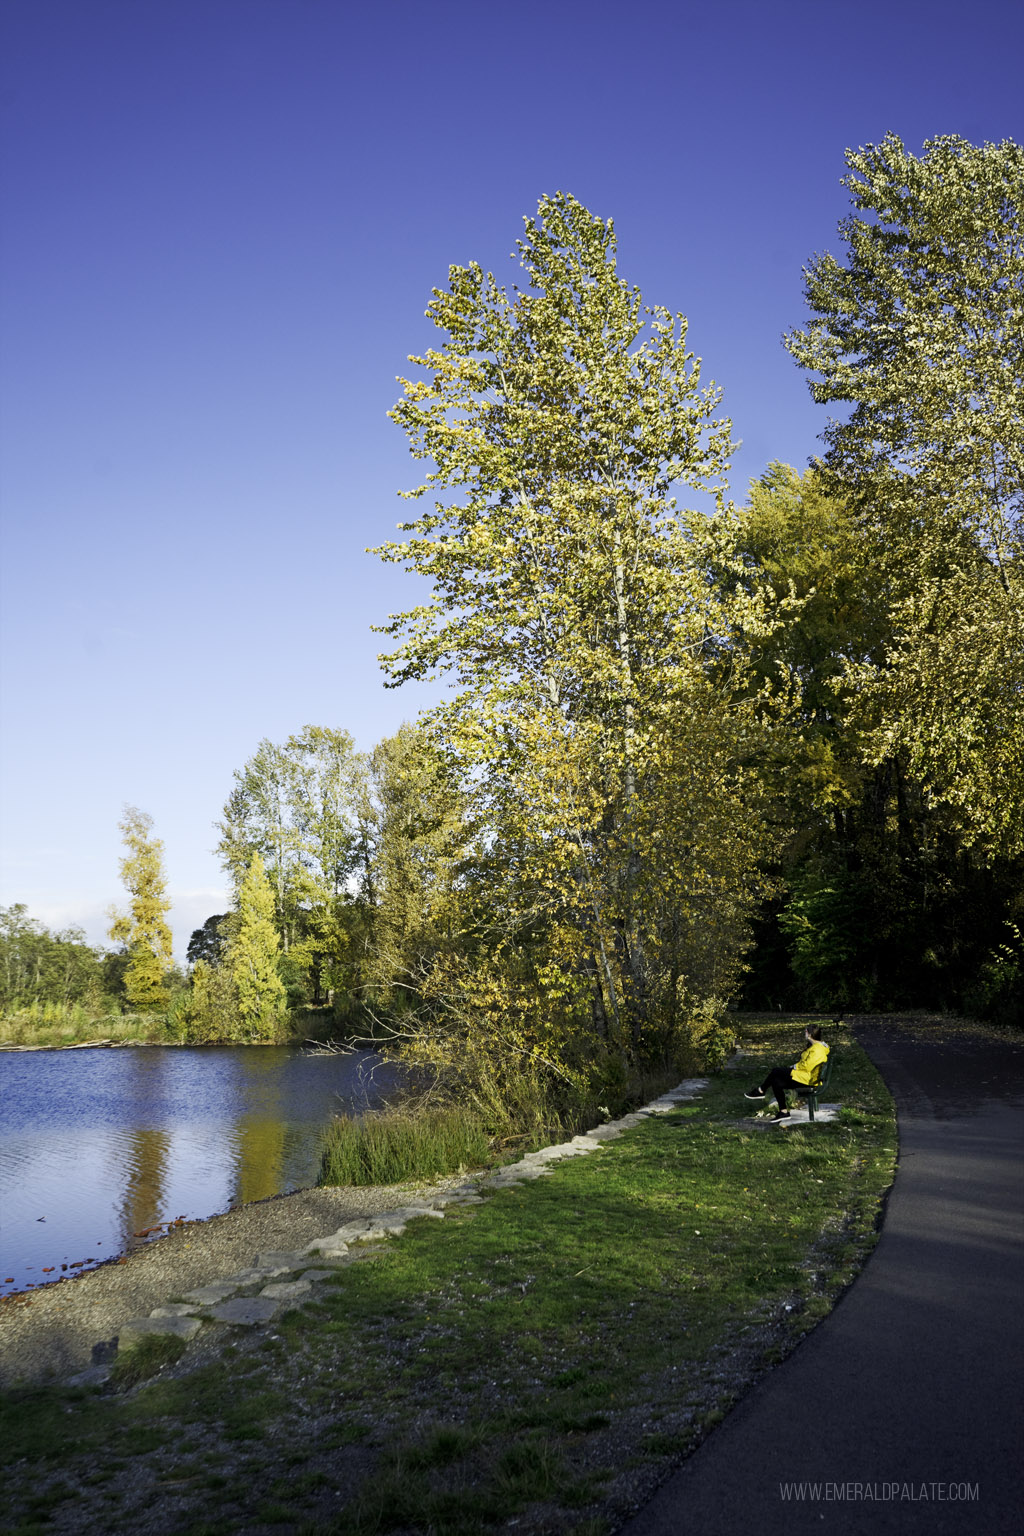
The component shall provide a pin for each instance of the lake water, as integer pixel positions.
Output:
(98, 1145)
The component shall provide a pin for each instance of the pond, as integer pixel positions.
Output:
(98, 1147)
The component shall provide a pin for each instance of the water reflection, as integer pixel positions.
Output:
(145, 1166)
(97, 1146)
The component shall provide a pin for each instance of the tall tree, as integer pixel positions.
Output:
(420, 841)
(572, 609)
(880, 905)
(253, 956)
(259, 817)
(143, 929)
(921, 330)
(298, 805)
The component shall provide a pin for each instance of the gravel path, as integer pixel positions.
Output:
(52, 1332)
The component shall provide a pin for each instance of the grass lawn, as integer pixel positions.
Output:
(543, 1357)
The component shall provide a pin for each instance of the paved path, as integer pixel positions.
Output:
(916, 1379)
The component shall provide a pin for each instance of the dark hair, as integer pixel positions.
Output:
(814, 1030)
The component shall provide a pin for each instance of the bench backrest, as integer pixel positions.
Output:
(822, 1074)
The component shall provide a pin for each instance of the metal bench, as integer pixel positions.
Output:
(815, 1086)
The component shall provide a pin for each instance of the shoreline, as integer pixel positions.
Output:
(50, 1333)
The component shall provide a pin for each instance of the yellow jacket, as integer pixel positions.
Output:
(814, 1057)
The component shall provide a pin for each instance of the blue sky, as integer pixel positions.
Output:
(221, 223)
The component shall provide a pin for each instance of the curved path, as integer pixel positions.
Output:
(905, 1406)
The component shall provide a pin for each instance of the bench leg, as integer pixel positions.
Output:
(812, 1104)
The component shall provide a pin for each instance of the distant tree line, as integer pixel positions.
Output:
(38, 967)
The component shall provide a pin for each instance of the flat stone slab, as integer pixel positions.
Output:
(138, 1328)
(207, 1295)
(278, 1262)
(259, 1272)
(313, 1275)
(246, 1311)
(287, 1290)
(366, 1230)
(822, 1115)
(175, 1309)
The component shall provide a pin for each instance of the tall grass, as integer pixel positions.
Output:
(403, 1144)
(433, 1133)
(56, 1024)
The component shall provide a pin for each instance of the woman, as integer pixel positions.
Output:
(800, 1075)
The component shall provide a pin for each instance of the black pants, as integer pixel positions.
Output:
(778, 1082)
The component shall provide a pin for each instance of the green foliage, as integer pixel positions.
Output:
(39, 968)
(904, 781)
(599, 737)
(148, 1356)
(886, 907)
(252, 958)
(996, 990)
(143, 931)
(420, 841)
(207, 1010)
(301, 806)
(920, 331)
(207, 943)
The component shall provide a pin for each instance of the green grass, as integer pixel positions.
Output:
(397, 1146)
(508, 1362)
(149, 1356)
(49, 1025)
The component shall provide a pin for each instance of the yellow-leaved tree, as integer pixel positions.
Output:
(252, 956)
(143, 928)
(600, 719)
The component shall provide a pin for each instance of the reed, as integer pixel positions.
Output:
(403, 1144)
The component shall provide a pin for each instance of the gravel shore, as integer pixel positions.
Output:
(51, 1332)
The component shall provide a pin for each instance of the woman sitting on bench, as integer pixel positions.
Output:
(800, 1075)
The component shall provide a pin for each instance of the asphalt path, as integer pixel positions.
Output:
(902, 1411)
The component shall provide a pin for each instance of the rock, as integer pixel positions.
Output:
(142, 1327)
(259, 1272)
(278, 1263)
(245, 1311)
(175, 1309)
(318, 1274)
(207, 1295)
(287, 1290)
(92, 1376)
(368, 1229)
(424, 1210)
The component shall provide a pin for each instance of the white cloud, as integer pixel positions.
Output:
(189, 910)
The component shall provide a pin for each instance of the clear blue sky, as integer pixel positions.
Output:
(221, 223)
